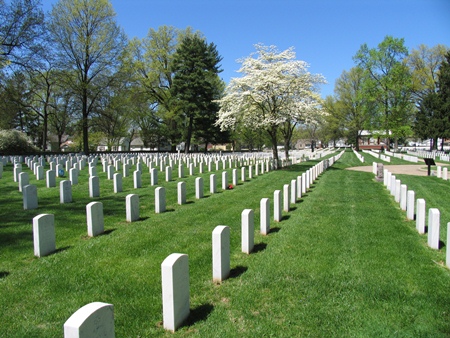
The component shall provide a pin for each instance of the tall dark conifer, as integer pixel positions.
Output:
(196, 68)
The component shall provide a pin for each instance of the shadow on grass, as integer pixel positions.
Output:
(274, 230)
(292, 208)
(259, 247)
(237, 271)
(4, 274)
(285, 217)
(441, 245)
(64, 248)
(198, 314)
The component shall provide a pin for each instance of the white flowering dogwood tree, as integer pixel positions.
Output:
(275, 92)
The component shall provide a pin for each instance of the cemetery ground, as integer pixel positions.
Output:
(343, 262)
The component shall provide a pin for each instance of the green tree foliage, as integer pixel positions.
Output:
(424, 64)
(433, 117)
(389, 84)
(149, 62)
(355, 107)
(334, 125)
(89, 43)
(14, 142)
(195, 85)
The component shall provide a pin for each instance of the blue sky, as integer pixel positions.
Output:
(324, 33)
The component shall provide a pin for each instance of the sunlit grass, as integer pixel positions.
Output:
(344, 262)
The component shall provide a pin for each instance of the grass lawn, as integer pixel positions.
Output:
(344, 262)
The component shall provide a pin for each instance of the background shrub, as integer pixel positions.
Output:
(14, 142)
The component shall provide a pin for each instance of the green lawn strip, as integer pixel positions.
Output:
(435, 192)
(369, 159)
(344, 262)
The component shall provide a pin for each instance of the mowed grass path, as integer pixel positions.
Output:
(344, 262)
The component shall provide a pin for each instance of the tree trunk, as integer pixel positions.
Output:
(273, 136)
(189, 135)
(44, 136)
(357, 140)
(85, 125)
(286, 150)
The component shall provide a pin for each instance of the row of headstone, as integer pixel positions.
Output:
(44, 227)
(442, 172)
(97, 319)
(175, 269)
(417, 209)
(358, 155)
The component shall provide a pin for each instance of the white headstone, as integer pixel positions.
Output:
(137, 179)
(293, 191)
(235, 177)
(397, 193)
(44, 235)
(24, 180)
(212, 184)
(110, 172)
(420, 215)
(92, 320)
(168, 174)
(51, 178)
(153, 176)
(73, 176)
(433, 228)
(94, 216)
(132, 207)
(410, 200)
(199, 187)
(180, 170)
(175, 290)
(117, 178)
(30, 199)
(17, 171)
(65, 191)
(277, 206)
(303, 183)
(92, 171)
(403, 192)
(224, 180)
(160, 200)
(286, 197)
(265, 216)
(221, 253)
(181, 192)
(94, 186)
(447, 256)
(39, 172)
(247, 231)
(125, 170)
(299, 187)
(243, 174)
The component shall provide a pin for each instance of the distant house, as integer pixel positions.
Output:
(123, 145)
(372, 139)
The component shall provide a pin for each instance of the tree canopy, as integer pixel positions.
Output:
(89, 43)
(275, 89)
(196, 85)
